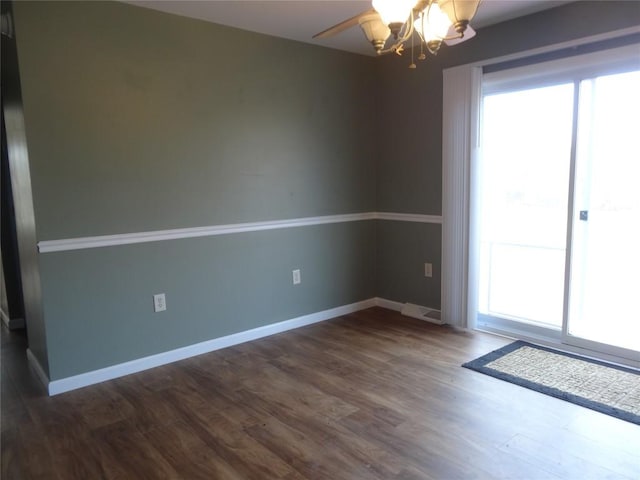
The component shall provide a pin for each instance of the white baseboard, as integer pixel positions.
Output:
(411, 310)
(389, 304)
(62, 385)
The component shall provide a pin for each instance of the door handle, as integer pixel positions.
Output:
(584, 215)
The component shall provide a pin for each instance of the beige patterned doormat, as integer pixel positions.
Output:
(600, 386)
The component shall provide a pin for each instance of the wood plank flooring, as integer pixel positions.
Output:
(372, 395)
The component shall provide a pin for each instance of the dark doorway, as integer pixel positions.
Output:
(12, 296)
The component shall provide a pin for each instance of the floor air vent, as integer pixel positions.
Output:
(422, 313)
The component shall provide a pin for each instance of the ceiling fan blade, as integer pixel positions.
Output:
(342, 26)
(468, 33)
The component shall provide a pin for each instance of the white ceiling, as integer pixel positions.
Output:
(301, 19)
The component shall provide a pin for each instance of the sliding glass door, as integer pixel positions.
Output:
(605, 258)
(524, 193)
(558, 210)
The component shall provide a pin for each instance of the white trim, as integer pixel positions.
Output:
(408, 309)
(409, 217)
(388, 304)
(108, 373)
(82, 243)
(35, 364)
(180, 233)
(563, 70)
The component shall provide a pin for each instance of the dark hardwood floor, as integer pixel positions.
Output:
(372, 395)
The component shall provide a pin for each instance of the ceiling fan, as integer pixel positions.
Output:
(434, 22)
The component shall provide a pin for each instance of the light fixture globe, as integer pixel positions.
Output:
(393, 11)
(460, 12)
(432, 24)
(375, 30)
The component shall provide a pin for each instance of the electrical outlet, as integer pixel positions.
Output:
(159, 303)
(296, 277)
(428, 270)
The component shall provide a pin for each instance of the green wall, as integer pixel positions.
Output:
(99, 301)
(402, 250)
(138, 120)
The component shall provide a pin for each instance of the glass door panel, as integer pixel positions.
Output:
(606, 219)
(523, 201)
